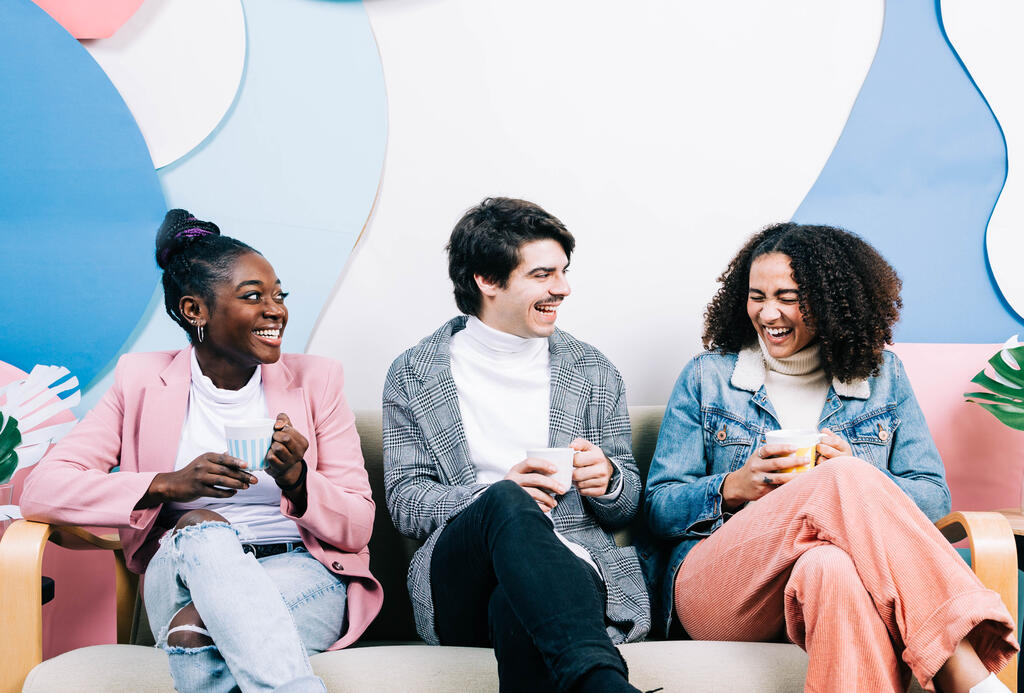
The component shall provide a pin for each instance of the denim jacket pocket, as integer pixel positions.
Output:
(871, 436)
(728, 440)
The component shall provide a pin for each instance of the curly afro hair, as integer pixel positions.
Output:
(849, 294)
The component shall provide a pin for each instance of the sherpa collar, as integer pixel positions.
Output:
(749, 373)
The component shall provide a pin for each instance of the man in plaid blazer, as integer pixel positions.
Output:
(512, 559)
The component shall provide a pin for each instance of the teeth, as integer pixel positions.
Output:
(272, 334)
(777, 331)
(546, 309)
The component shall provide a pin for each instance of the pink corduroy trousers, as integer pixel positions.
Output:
(843, 563)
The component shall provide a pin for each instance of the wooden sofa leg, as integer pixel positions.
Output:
(21, 610)
(993, 559)
(126, 589)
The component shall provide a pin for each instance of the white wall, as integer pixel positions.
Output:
(662, 133)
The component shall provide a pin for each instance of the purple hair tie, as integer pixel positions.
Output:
(193, 232)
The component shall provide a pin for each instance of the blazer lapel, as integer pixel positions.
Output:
(162, 415)
(436, 408)
(568, 387)
(435, 404)
(282, 397)
(570, 394)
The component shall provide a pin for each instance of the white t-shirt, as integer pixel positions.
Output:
(256, 511)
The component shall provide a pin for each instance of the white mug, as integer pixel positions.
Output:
(561, 458)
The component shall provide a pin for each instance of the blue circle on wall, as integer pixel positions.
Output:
(79, 201)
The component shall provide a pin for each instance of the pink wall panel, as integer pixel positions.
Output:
(984, 459)
(82, 612)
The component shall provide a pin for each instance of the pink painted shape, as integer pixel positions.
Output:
(984, 459)
(90, 19)
(82, 611)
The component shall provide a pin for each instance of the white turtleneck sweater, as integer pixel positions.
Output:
(503, 383)
(255, 511)
(504, 388)
(796, 386)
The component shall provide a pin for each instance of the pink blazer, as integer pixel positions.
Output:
(137, 425)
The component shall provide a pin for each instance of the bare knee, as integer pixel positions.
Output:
(195, 517)
(190, 618)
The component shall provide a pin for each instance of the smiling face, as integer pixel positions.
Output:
(773, 305)
(527, 306)
(246, 322)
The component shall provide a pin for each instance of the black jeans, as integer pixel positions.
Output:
(501, 577)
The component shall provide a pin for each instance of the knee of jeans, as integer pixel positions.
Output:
(175, 650)
(187, 640)
(186, 631)
(183, 542)
(508, 497)
(199, 516)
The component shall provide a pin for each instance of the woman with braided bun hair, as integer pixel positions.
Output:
(841, 558)
(247, 572)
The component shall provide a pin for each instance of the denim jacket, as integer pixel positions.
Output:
(716, 418)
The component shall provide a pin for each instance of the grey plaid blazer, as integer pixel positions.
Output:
(429, 478)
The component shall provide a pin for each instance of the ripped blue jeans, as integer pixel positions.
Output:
(265, 616)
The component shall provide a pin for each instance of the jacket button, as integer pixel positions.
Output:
(721, 434)
(337, 566)
(883, 435)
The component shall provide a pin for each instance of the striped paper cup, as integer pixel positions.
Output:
(249, 440)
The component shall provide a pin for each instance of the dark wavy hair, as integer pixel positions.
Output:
(848, 293)
(194, 258)
(487, 239)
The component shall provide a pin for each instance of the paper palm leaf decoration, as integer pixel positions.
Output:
(1005, 385)
(10, 438)
(26, 407)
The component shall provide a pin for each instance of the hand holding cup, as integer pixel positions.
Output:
(593, 470)
(832, 445)
(536, 476)
(211, 475)
(287, 449)
(765, 470)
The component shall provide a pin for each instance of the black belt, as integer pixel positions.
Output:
(264, 550)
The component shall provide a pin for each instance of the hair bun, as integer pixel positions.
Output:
(178, 230)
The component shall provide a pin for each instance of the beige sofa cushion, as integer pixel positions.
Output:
(677, 666)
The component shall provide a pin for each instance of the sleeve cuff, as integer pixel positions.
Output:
(614, 484)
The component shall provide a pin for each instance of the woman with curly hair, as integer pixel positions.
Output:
(842, 560)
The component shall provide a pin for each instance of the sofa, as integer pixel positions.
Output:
(389, 657)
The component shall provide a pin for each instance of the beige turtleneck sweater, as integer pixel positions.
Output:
(796, 386)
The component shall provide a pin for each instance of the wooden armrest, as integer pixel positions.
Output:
(993, 560)
(21, 612)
